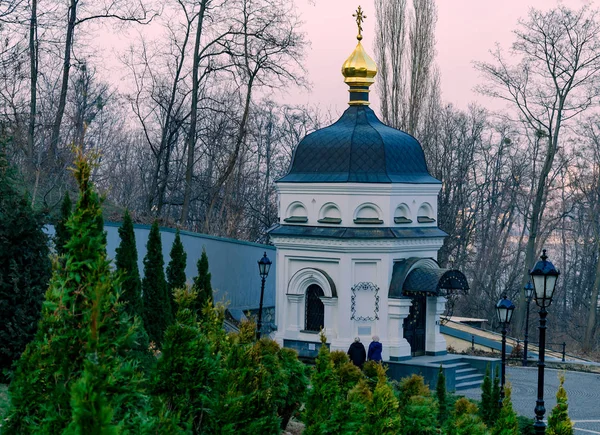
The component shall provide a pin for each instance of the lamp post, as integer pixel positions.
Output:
(264, 265)
(544, 276)
(528, 295)
(504, 310)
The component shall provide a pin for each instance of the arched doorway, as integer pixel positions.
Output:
(314, 318)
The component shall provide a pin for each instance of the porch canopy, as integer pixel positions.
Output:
(423, 276)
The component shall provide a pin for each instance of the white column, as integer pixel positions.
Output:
(398, 310)
(435, 342)
(330, 326)
(295, 322)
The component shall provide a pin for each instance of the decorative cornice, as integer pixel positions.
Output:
(377, 189)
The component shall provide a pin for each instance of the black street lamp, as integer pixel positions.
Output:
(528, 295)
(504, 310)
(264, 265)
(544, 276)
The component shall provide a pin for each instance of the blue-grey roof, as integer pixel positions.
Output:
(359, 148)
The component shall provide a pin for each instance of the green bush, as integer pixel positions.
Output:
(507, 423)
(465, 420)
(526, 425)
(78, 374)
(24, 268)
(202, 283)
(442, 399)
(155, 296)
(559, 422)
(176, 277)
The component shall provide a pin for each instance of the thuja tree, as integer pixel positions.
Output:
(559, 422)
(24, 268)
(202, 283)
(62, 235)
(214, 383)
(465, 420)
(176, 277)
(442, 399)
(157, 305)
(77, 375)
(126, 261)
(490, 397)
(418, 409)
(507, 423)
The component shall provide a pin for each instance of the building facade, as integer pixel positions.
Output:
(358, 237)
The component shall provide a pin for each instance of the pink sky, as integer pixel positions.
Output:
(466, 31)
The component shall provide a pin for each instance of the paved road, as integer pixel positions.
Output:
(583, 390)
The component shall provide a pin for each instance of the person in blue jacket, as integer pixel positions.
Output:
(375, 349)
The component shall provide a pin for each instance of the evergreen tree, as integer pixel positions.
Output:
(62, 235)
(465, 420)
(507, 423)
(126, 261)
(157, 306)
(324, 395)
(440, 392)
(382, 415)
(24, 268)
(559, 422)
(77, 375)
(176, 277)
(487, 402)
(495, 399)
(202, 282)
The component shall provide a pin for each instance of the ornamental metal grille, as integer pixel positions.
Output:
(315, 311)
(364, 286)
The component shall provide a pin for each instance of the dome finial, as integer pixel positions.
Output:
(360, 17)
(359, 69)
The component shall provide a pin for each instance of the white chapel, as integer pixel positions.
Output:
(358, 239)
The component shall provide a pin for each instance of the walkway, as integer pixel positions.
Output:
(583, 390)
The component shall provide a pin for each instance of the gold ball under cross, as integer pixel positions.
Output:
(360, 17)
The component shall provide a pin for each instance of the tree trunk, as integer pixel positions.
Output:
(588, 338)
(65, 79)
(191, 139)
(33, 66)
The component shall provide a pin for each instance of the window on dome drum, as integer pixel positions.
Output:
(330, 214)
(368, 215)
(297, 214)
(315, 311)
(402, 215)
(425, 214)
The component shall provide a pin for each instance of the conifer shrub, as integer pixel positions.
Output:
(526, 425)
(507, 423)
(217, 383)
(176, 277)
(420, 416)
(126, 262)
(323, 396)
(465, 420)
(382, 415)
(559, 422)
(78, 375)
(157, 312)
(61, 235)
(442, 399)
(490, 396)
(202, 283)
(24, 268)
(411, 386)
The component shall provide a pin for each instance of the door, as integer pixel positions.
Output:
(414, 325)
(314, 309)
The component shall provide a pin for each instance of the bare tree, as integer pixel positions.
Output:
(555, 81)
(406, 76)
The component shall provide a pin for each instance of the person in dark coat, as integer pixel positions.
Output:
(357, 353)
(375, 349)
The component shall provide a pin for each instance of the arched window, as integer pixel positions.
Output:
(315, 311)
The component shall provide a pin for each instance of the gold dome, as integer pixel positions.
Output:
(359, 70)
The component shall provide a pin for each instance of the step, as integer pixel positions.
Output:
(467, 385)
(465, 371)
(468, 378)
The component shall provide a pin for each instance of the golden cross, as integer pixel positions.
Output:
(360, 17)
